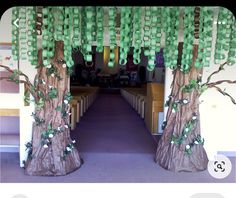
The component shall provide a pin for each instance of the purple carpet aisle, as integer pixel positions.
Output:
(112, 126)
(115, 146)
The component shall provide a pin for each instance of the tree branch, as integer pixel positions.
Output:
(220, 82)
(215, 72)
(27, 82)
(224, 93)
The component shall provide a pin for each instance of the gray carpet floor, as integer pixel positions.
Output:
(116, 148)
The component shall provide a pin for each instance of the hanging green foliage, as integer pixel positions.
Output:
(125, 34)
(76, 27)
(137, 34)
(32, 36)
(146, 27)
(171, 29)
(81, 27)
(68, 29)
(232, 46)
(100, 28)
(94, 26)
(47, 35)
(88, 27)
(58, 23)
(112, 35)
(15, 34)
(187, 54)
(23, 33)
(205, 37)
(153, 38)
(224, 29)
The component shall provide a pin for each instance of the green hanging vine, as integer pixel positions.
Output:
(232, 45)
(171, 29)
(15, 34)
(187, 54)
(58, 23)
(112, 34)
(153, 42)
(125, 34)
(23, 33)
(205, 37)
(68, 30)
(146, 27)
(76, 27)
(224, 29)
(47, 35)
(100, 28)
(137, 34)
(32, 36)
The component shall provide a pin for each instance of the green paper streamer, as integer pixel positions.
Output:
(137, 36)
(188, 39)
(15, 34)
(112, 34)
(100, 28)
(125, 34)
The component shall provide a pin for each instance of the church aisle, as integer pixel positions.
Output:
(112, 126)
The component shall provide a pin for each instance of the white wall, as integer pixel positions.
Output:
(16, 100)
(5, 28)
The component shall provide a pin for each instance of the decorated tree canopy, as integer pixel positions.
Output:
(189, 37)
(83, 27)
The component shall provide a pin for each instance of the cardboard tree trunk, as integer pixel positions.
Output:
(50, 161)
(172, 156)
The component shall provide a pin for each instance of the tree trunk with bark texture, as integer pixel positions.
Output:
(52, 160)
(173, 156)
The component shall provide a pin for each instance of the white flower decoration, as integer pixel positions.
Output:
(66, 101)
(194, 117)
(45, 146)
(185, 101)
(187, 147)
(172, 142)
(50, 86)
(73, 141)
(52, 74)
(50, 135)
(49, 66)
(173, 111)
(186, 129)
(68, 148)
(43, 81)
(185, 136)
(58, 128)
(196, 142)
(64, 65)
(66, 126)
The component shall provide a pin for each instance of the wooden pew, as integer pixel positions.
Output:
(83, 98)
